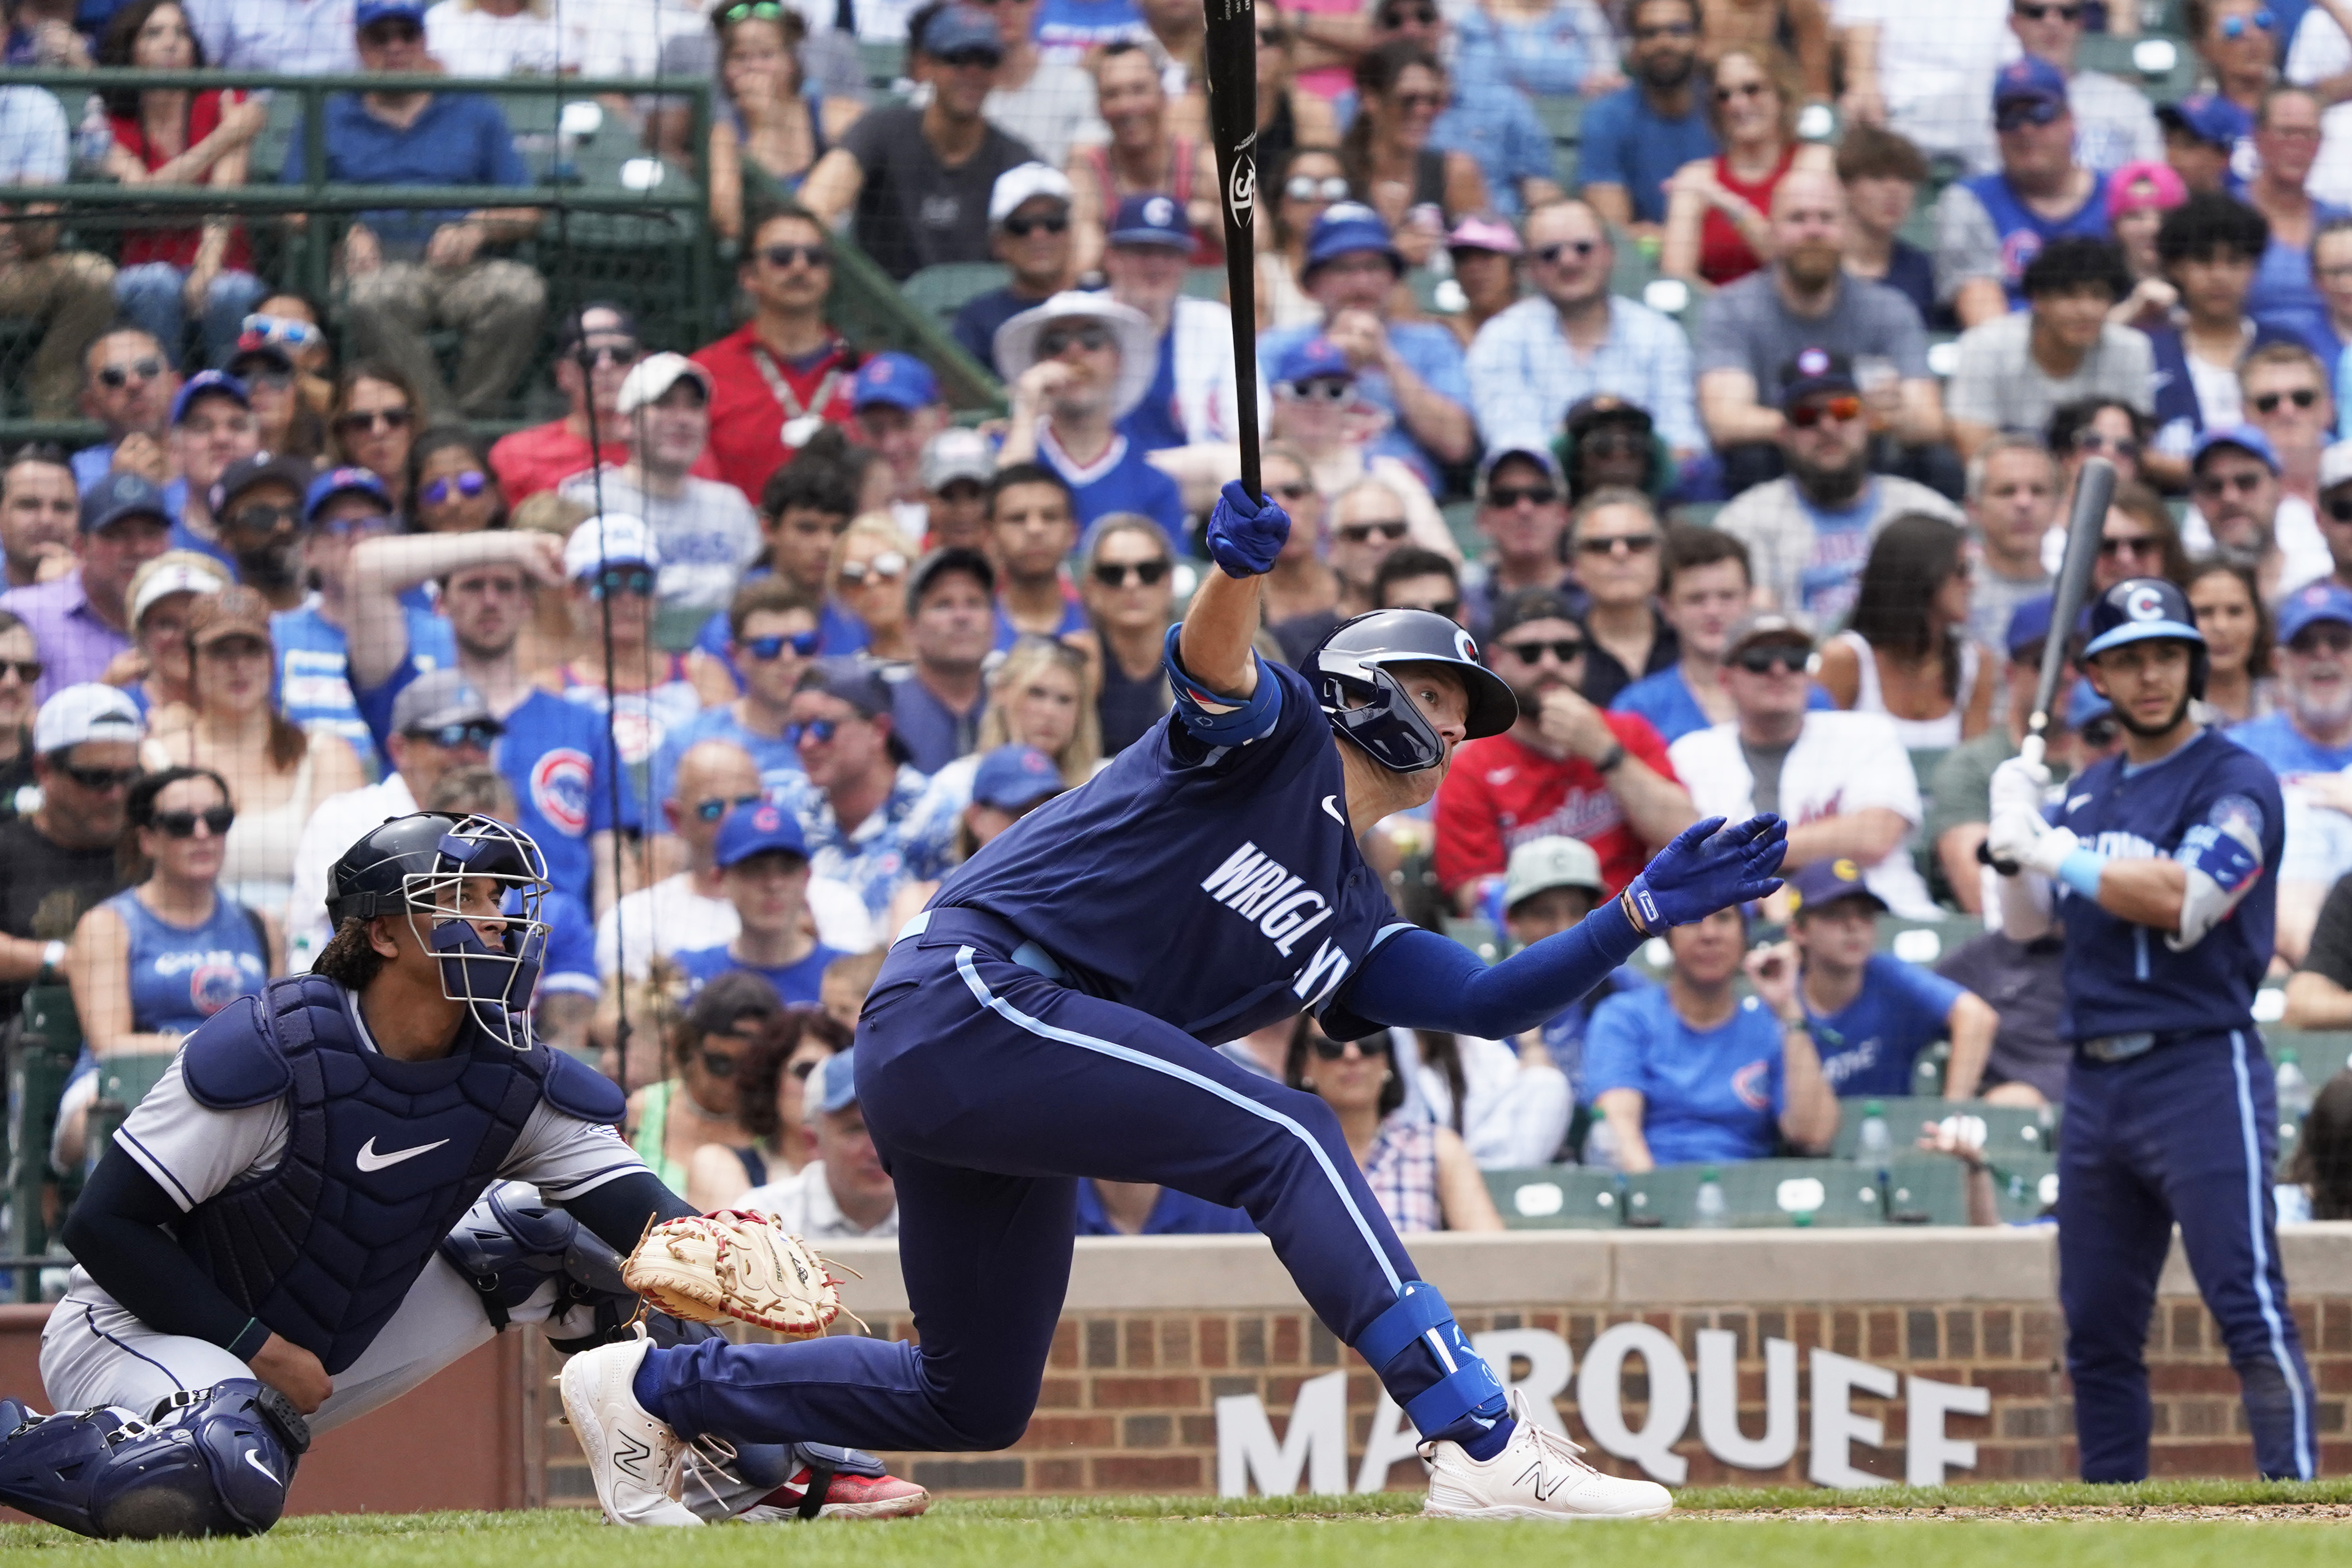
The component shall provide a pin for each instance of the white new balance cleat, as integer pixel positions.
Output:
(633, 1456)
(1537, 1476)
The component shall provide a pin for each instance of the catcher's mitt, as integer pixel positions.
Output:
(732, 1263)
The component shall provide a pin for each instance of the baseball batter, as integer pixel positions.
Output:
(2162, 862)
(1052, 1014)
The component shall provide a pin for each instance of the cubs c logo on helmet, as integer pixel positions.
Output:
(2145, 604)
(1465, 647)
(560, 782)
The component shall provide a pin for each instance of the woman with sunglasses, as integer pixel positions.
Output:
(152, 964)
(20, 672)
(452, 487)
(2138, 538)
(2240, 46)
(771, 1085)
(1126, 582)
(763, 115)
(2097, 428)
(1420, 1172)
(373, 423)
(2240, 682)
(1418, 190)
(698, 1103)
(1717, 225)
(1310, 180)
(283, 419)
(867, 578)
(1905, 651)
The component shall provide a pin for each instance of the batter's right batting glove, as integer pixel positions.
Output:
(1245, 535)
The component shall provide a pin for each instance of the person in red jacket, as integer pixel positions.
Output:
(785, 373)
(1566, 768)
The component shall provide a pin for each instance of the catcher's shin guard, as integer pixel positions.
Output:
(216, 1461)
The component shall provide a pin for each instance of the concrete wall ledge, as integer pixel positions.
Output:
(1626, 1269)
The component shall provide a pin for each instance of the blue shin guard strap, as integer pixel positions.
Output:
(1473, 1389)
(1418, 1309)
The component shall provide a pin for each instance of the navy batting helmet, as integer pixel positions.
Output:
(2140, 609)
(1349, 672)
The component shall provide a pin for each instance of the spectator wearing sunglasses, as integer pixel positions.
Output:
(1075, 367)
(2334, 510)
(1988, 227)
(2115, 125)
(1420, 1172)
(1632, 141)
(283, 417)
(1307, 184)
(2285, 394)
(1028, 231)
(2242, 512)
(2115, 429)
(1716, 228)
(150, 964)
(773, 1077)
(2307, 742)
(375, 422)
(1613, 543)
(1369, 521)
(843, 1191)
(20, 668)
(1129, 591)
(596, 346)
(772, 636)
(1843, 781)
(857, 798)
(1575, 340)
(128, 385)
(1807, 531)
(61, 856)
(2240, 44)
(785, 369)
(2016, 367)
(866, 591)
(763, 869)
(453, 486)
(1703, 594)
(1566, 767)
(82, 620)
(671, 1119)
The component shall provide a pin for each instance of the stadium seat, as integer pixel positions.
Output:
(885, 62)
(1558, 1197)
(1926, 1189)
(123, 1082)
(2023, 1186)
(1478, 935)
(2320, 1054)
(1926, 943)
(2008, 1129)
(1758, 1194)
(40, 1059)
(944, 290)
(2163, 68)
(1205, 283)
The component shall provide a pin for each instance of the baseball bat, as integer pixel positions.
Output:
(1230, 52)
(2094, 488)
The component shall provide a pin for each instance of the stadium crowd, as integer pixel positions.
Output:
(759, 642)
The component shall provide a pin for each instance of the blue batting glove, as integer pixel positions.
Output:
(1705, 870)
(1245, 535)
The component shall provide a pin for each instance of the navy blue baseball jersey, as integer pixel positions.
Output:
(1216, 887)
(2121, 977)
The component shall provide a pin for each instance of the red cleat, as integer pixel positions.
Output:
(845, 1497)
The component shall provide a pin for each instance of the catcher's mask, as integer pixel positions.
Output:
(464, 874)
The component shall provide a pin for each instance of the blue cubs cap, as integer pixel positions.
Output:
(1316, 358)
(2138, 609)
(2028, 624)
(832, 1086)
(119, 495)
(961, 30)
(902, 381)
(2209, 118)
(2086, 706)
(2309, 605)
(1346, 227)
(1012, 777)
(2029, 79)
(343, 481)
(1151, 219)
(1824, 882)
(367, 13)
(761, 829)
(208, 383)
(2244, 437)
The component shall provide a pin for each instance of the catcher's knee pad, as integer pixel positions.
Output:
(513, 1241)
(1467, 1386)
(216, 1461)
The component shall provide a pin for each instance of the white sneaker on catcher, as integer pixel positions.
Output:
(632, 1456)
(1537, 1476)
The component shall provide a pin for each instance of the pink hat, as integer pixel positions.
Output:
(2144, 184)
(1484, 234)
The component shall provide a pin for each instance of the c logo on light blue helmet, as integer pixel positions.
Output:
(2145, 603)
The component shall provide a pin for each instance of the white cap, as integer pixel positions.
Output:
(1542, 864)
(611, 539)
(956, 453)
(1022, 183)
(86, 712)
(175, 577)
(2336, 464)
(650, 379)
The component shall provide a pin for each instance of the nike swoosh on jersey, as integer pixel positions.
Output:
(369, 1160)
(1331, 809)
(2076, 804)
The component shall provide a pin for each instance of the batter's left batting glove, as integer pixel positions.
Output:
(1708, 867)
(1245, 535)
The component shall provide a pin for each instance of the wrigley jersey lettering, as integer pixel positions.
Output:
(1217, 888)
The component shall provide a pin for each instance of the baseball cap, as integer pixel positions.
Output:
(438, 698)
(208, 383)
(1476, 233)
(650, 380)
(609, 539)
(1012, 777)
(832, 1087)
(88, 711)
(2309, 605)
(1151, 219)
(1554, 861)
(1824, 882)
(253, 348)
(261, 469)
(174, 571)
(1536, 455)
(1765, 625)
(369, 12)
(959, 29)
(120, 495)
(2146, 184)
(956, 453)
(1025, 183)
(1346, 227)
(852, 680)
(1812, 372)
(763, 829)
(954, 558)
(2085, 705)
(2335, 466)
(570, 333)
(2029, 79)
(1528, 605)
(1316, 358)
(901, 381)
(1606, 409)
(343, 481)
(2028, 624)
(235, 611)
(2209, 117)
(2244, 437)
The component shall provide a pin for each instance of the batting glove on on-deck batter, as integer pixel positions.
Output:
(1709, 868)
(1245, 535)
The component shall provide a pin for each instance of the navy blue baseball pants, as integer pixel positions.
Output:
(989, 1089)
(2187, 1133)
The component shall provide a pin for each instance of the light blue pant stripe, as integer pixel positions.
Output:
(1014, 1015)
(2305, 1463)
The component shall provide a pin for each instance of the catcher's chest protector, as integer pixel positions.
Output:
(382, 1158)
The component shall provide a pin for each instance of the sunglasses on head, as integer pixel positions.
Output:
(818, 730)
(713, 809)
(1769, 656)
(2100, 441)
(262, 518)
(886, 567)
(373, 419)
(2032, 13)
(1307, 188)
(121, 375)
(2245, 481)
(784, 255)
(1503, 498)
(751, 11)
(1119, 574)
(1633, 545)
(442, 491)
(102, 780)
(1090, 337)
(449, 737)
(638, 580)
(766, 649)
(26, 670)
(1361, 533)
(1052, 223)
(182, 823)
(286, 331)
(2032, 112)
(1530, 652)
(1321, 389)
(1843, 408)
(1327, 1049)
(2139, 545)
(2301, 397)
(2237, 26)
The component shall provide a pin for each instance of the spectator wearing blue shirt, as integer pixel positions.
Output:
(1140, 1208)
(1413, 369)
(1487, 114)
(1691, 1073)
(1882, 172)
(212, 427)
(414, 272)
(936, 705)
(1075, 367)
(1632, 141)
(772, 635)
(763, 868)
(1870, 1014)
(1029, 231)
(1988, 227)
